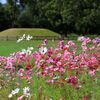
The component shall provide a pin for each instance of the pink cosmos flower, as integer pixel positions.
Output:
(58, 63)
(85, 98)
(50, 51)
(55, 69)
(25, 77)
(21, 70)
(87, 40)
(61, 70)
(72, 80)
(96, 41)
(50, 60)
(45, 42)
(71, 43)
(20, 98)
(92, 72)
(50, 81)
(66, 47)
(61, 44)
(56, 50)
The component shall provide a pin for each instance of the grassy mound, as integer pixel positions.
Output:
(31, 31)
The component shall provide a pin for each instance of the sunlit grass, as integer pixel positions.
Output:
(31, 31)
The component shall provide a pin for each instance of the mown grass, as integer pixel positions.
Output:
(8, 47)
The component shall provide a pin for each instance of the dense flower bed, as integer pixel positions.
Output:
(64, 64)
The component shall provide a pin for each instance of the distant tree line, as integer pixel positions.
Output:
(63, 16)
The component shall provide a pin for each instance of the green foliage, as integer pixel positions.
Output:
(63, 16)
(4, 21)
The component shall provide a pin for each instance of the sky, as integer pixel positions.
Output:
(3, 1)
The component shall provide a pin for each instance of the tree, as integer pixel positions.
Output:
(14, 11)
(4, 21)
(63, 16)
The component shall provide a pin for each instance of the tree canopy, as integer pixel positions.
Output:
(63, 16)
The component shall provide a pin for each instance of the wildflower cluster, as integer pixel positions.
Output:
(61, 65)
(26, 93)
(24, 37)
(13, 92)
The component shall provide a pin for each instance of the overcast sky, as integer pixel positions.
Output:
(3, 1)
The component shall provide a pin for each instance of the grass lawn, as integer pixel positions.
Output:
(7, 47)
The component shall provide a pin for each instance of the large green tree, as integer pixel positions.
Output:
(14, 11)
(4, 20)
(63, 16)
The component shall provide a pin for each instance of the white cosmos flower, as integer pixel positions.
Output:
(30, 48)
(28, 95)
(19, 40)
(27, 51)
(24, 51)
(43, 50)
(81, 38)
(29, 37)
(23, 36)
(26, 90)
(15, 91)
(57, 77)
(10, 96)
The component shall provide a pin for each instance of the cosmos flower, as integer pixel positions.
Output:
(28, 37)
(82, 38)
(10, 96)
(21, 38)
(26, 90)
(15, 91)
(43, 50)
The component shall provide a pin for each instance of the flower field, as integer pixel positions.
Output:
(66, 71)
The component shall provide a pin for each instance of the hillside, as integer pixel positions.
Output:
(31, 31)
